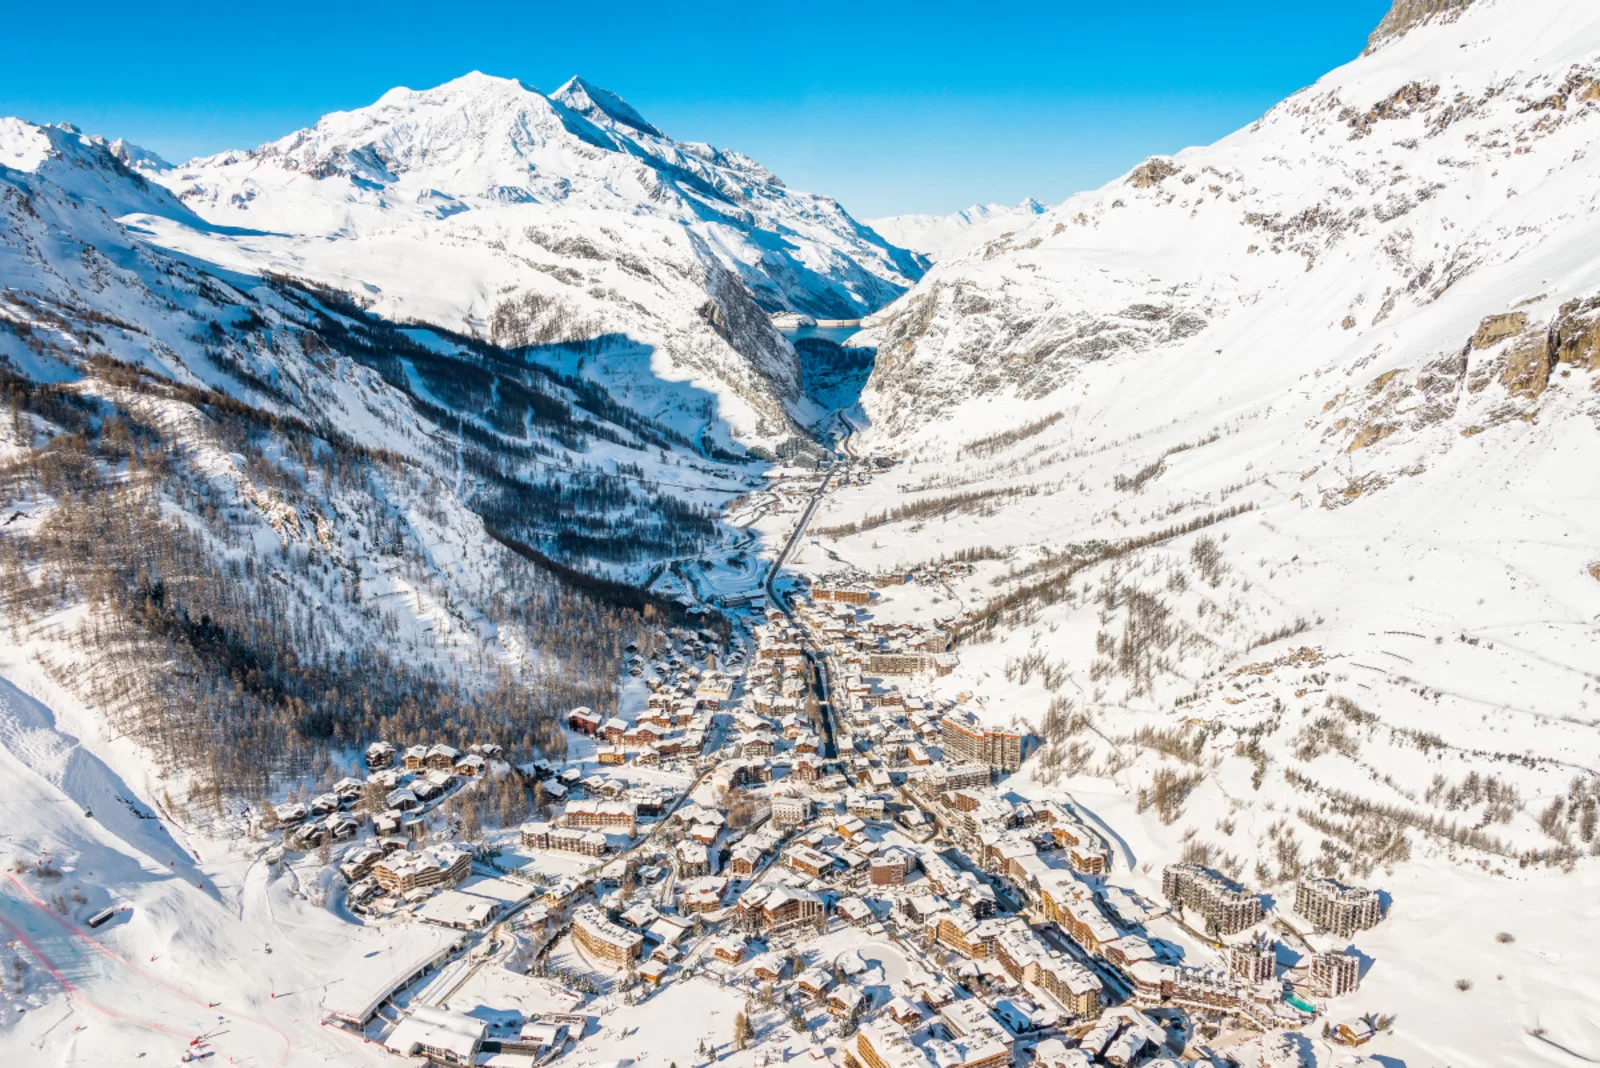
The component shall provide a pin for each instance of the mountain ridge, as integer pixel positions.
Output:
(460, 204)
(943, 236)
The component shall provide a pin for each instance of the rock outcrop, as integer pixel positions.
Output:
(1152, 171)
(1496, 328)
(1406, 15)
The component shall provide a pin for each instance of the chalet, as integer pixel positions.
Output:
(612, 755)
(770, 968)
(613, 729)
(669, 930)
(291, 812)
(658, 717)
(903, 1012)
(787, 907)
(808, 861)
(814, 982)
(442, 758)
(585, 721)
(358, 862)
(380, 755)
(416, 757)
(854, 910)
(341, 827)
(642, 734)
(704, 897)
(1353, 1032)
(845, 1001)
(692, 859)
(640, 916)
(729, 950)
(746, 859)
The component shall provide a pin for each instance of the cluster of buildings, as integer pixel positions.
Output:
(861, 646)
(392, 803)
(866, 805)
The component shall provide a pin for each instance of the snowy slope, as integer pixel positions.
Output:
(1281, 448)
(1449, 153)
(941, 236)
(244, 523)
(492, 209)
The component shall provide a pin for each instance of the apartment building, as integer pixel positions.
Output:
(965, 739)
(620, 816)
(1223, 907)
(1254, 961)
(1335, 974)
(601, 939)
(402, 872)
(1342, 910)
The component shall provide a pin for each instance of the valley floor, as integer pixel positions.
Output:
(216, 950)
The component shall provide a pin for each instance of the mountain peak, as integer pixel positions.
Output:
(1406, 15)
(602, 105)
(137, 158)
(474, 83)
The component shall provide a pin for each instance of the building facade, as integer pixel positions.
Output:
(1342, 910)
(1335, 974)
(603, 940)
(1225, 909)
(964, 739)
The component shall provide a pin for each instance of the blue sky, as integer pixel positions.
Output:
(891, 108)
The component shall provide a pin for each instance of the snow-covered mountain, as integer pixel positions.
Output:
(492, 209)
(941, 236)
(1282, 453)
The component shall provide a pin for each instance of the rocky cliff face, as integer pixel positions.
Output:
(1406, 14)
